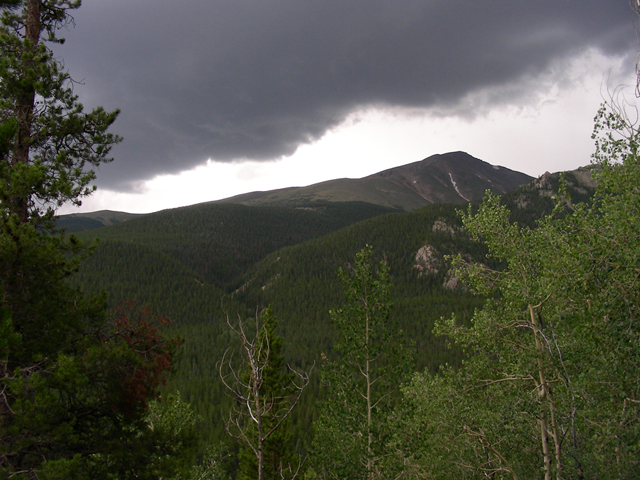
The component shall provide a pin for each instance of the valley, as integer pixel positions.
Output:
(197, 265)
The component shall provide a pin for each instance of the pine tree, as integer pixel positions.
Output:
(265, 397)
(75, 380)
(277, 449)
(48, 143)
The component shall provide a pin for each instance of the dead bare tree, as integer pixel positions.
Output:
(258, 411)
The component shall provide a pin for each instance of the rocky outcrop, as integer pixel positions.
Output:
(427, 261)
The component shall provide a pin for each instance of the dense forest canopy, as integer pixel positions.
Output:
(499, 341)
(77, 381)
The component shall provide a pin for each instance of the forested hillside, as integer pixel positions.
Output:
(220, 242)
(158, 267)
(359, 330)
(80, 222)
(197, 264)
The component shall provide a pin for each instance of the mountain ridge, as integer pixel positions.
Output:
(199, 264)
(79, 222)
(454, 177)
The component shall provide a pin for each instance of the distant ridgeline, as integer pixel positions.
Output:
(455, 177)
(81, 222)
(198, 264)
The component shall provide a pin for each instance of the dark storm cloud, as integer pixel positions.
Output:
(234, 79)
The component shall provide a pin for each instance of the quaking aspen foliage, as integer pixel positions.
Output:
(352, 433)
(550, 387)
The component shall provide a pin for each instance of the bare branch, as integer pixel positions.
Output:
(484, 441)
(256, 409)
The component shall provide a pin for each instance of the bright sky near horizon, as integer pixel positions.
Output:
(310, 106)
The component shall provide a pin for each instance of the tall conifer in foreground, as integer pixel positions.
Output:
(75, 380)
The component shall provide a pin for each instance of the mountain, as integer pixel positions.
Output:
(535, 199)
(454, 177)
(220, 241)
(198, 264)
(81, 222)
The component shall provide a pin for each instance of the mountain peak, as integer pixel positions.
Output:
(454, 177)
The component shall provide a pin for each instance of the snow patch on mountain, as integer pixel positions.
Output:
(455, 185)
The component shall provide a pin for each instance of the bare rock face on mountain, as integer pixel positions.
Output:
(579, 184)
(454, 177)
(427, 261)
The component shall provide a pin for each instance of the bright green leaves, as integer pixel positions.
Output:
(354, 428)
(364, 317)
(550, 387)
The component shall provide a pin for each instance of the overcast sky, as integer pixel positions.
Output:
(221, 97)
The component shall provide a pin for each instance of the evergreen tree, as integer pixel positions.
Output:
(75, 380)
(276, 383)
(265, 397)
(48, 141)
(55, 138)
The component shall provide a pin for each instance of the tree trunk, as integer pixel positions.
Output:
(369, 407)
(546, 398)
(25, 103)
(260, 449)
(258, 416)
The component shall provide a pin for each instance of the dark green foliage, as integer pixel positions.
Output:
(135, 270)
(74, 393)
(299, 282)
(10, 4)
(81, 222)
(73, 225)
(353, 429)
(276, 383)
(45, 163)
(220, 242)
(537, 199)
(163, 259)
(265, 396)
(75, 379)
